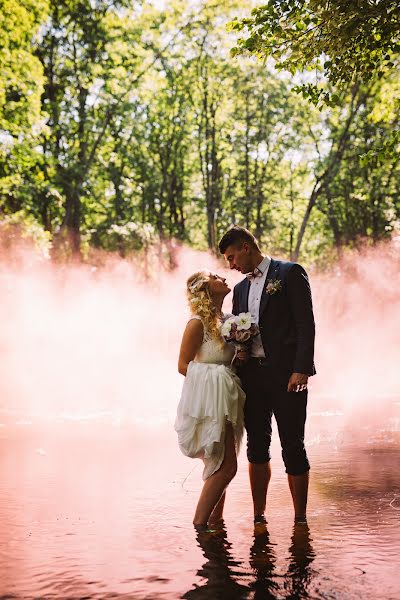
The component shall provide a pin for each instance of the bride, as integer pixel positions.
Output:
(209, 420)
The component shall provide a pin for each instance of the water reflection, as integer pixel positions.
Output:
(221, 571)
(262, 562)
(302, 554)
(218, 571)
(72, 522)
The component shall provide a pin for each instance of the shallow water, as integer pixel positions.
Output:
(96, 509)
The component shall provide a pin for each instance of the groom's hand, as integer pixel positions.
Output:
(297, 382)
(243, 355)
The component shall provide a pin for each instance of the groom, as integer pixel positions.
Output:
(275, 375)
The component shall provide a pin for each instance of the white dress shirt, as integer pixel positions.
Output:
(257, 285)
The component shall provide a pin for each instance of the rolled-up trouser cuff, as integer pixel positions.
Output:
(258, 457)
(297, 471)
(296, 465)
(258, 461)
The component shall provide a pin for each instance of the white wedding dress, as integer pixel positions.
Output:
(211, 396)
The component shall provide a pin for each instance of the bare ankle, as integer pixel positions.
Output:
(198, 525)
(213, 521)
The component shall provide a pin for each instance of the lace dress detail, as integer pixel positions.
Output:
(211, 396)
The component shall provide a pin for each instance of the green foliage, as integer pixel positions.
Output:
(21, 74)
(127, 238)
(384, 153)
(140, 129)
(346, 39)
(22, 226)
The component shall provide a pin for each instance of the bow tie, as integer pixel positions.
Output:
(253, 274)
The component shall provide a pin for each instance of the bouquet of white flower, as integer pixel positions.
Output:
(240, 330)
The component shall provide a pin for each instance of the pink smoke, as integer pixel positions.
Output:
(357, 308)
(80, 343)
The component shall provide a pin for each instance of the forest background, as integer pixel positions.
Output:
(135, 126)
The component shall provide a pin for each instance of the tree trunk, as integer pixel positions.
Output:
(311, 203)
(337, 235)
(333, 163)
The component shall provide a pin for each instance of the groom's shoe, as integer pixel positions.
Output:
(260, 525)
(300, 520)
(260, 520)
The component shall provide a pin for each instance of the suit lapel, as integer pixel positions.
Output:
(273, 271)
(245, 295)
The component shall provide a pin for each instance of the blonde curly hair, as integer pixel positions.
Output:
(201, 303)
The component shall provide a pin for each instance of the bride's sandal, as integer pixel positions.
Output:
(260, 524)
(204, 529)
(217, 526)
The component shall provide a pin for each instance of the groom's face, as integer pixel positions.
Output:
(238, 257)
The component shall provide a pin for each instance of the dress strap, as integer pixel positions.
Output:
(205, 335)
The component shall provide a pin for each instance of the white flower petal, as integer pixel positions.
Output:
(244, 321)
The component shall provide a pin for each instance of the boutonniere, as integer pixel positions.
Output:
(273, 286)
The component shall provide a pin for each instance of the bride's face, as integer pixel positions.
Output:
(217, 286)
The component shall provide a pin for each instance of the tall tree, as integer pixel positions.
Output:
(344, 41)
(90, 59)
(144, 130)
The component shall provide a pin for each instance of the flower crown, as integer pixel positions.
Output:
(196, 285)
(200, 296)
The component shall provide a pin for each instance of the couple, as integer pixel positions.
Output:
(215, 403)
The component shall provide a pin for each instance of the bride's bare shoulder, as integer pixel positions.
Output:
(193, 334)
(195, 325)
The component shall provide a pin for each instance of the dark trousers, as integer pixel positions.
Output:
(267, 395)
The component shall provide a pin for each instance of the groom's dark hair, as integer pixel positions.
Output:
(237, 236)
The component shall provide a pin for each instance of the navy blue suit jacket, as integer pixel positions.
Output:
(286, 318)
